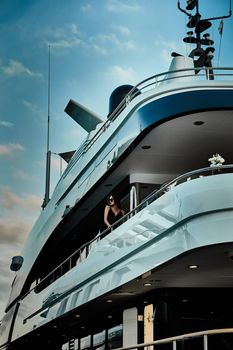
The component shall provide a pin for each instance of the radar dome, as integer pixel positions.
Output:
(118, 95)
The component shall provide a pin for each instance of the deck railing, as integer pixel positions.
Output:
(173, 341)
(81, 253)
(154, 81)
(204, 73)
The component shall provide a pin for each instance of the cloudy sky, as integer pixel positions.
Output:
(96, 45)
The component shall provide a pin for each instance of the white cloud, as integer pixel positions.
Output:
(21, 175)
(70, 37)
(6, 124)
(33, 107)
(74, 29)
(167, 47)
(122, 75)
(106, 43)
(9, 201)
(10, 148)
(87, 7)
(118, 6)
(99, 50)
(66, 37)
(16, 68)
(65, 44)
(13, 232)
(161, 41)
(17, 214)
(122, 29)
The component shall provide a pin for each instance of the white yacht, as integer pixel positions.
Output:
(163, 275)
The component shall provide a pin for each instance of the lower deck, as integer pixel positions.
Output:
(126, 319)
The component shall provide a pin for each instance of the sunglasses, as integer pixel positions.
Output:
(111, 199)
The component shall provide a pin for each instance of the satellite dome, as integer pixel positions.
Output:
(118, 95)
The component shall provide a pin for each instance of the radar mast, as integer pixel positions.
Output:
(202, 56)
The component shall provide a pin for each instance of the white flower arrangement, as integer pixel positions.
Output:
(216, 160)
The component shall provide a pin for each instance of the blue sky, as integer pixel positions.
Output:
(96, 45)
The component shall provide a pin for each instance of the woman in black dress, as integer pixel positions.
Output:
(112, 211)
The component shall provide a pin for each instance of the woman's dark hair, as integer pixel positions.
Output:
(116, 199)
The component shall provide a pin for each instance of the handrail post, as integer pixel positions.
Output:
(174, 345)
(205, 342)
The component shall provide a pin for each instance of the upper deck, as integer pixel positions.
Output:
(158, 86)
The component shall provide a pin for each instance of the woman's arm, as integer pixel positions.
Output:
(106, 211)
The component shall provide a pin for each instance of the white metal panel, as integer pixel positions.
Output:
(130, 326)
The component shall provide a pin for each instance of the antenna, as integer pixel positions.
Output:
(202, 57)
(48, 153)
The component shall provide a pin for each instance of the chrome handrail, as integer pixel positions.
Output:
(139, 87)
(182, 337)
(83, 251)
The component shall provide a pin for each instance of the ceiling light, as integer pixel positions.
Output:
(193, 266)
(146, 147)
(198, 122)
(147, 284)
(122, 293)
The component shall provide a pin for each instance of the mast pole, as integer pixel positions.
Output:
(48, 153)
(48, 129)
